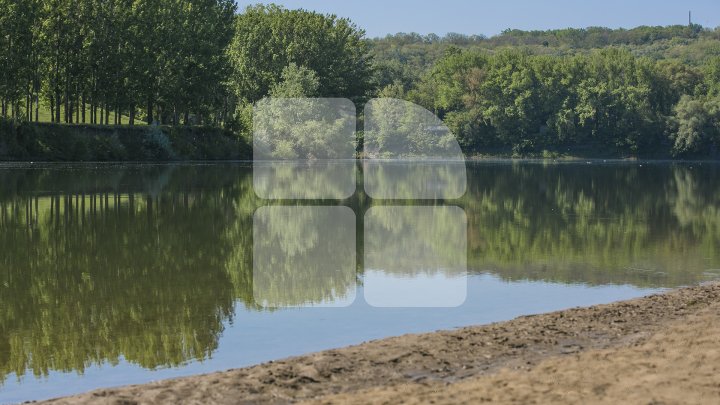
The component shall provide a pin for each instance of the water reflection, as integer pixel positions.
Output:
(415, 256)
(145, 263)
(595, 223)
(414, 179)
(116, 267)
(307, 179)
(304, 256)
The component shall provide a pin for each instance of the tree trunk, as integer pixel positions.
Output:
(58, 102)
(149, 112)
(223, 118)
(68, 113)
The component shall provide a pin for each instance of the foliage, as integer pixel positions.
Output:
(615, 90)
(417, 53)
(270, 38)
(157, 144)
(698, 122)
(300, 128)
(296, 81)
(55, 142)
(527, 103)
(199, 62)
(88, 60)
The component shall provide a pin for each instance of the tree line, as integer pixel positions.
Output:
(608, 98)
(577, 38)
(165, 61)
(642, 90)
(90, 60)
(648, 90)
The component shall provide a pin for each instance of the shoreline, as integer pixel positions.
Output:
(554, 357)
(20, 164)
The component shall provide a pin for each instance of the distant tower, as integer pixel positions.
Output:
(690, 18)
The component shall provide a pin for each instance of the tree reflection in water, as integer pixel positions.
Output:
(146, 263)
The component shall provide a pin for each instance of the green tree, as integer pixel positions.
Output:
(296, 81)
(616, 100)
(194, 65)
(698, 124)
(18, 57)
(712, 76)
(269, 38)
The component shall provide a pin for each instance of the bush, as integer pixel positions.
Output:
(156, 145)
(59, 142)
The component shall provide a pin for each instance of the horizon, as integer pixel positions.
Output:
(490, 18)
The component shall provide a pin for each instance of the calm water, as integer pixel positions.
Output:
(112, 275)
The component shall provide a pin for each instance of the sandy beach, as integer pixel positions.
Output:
(664, 348)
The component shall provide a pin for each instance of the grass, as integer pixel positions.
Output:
(44, 115)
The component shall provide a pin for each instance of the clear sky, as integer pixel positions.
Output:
(490, 17)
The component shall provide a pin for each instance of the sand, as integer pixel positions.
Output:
(660, 349)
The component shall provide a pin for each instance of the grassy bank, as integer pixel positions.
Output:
(60, 142)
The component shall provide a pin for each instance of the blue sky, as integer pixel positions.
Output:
(490, 17)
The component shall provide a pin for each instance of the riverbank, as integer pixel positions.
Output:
(52, 142)
(45, 142)
(661, 348)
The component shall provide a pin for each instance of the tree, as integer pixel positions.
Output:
(619, 101)
(698, 124)
(194, 65)
(712, 76)
(297, 81)
(114, 56)
(18, 60)
(269, 38)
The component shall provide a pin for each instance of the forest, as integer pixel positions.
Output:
(646, 91)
